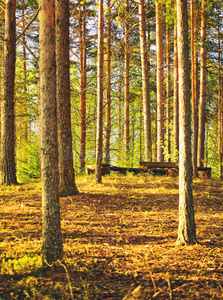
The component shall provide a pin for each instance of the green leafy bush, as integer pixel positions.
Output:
(28, 160)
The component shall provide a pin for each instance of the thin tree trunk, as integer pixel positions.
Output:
(176, 94)
(66, 169)
(83, 85)
(127, 98)
(99, 95)
(194, 89)
(220, 115)
(203, 75)
(168, 93)
(140, 134)
(25, 119)
(145, 82)
(160, 83)
(52, 239)
(186, 229)
(108, 86)
(8, 165)
(119, 116)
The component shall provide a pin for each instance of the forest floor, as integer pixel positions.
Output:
(119, 242)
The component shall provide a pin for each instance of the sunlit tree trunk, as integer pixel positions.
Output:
(175, 94)
(25, 119)
(203, 75)
(1, 84)
(66, 170)
(140, 134)
(108, 86)
(126, 105)
(160, 83)
(52, 240)
(168, 93)
(145, 82)
(194, 88)
(220, 115)
(186, 229)
(83, 84)
(8, 165)
(120, 115)
(99, 144)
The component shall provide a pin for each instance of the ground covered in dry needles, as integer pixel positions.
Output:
(119, 242)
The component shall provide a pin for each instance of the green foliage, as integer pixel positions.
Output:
(28, 160)
(21, 265)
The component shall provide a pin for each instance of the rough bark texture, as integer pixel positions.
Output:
(66, 171)
(186, 229)
(145, 82)
(52, 239)
(194, 89)
(203, 75)
(108, 87)
(220, 115)
(168, 93)
(127, 98)
(83, 84)
(160, 89)
(176, 94)
(99, 95)
(8, 166)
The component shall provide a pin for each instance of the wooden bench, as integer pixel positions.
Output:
(160, 168)
(203, 172)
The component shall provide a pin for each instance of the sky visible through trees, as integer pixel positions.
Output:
(26, 84)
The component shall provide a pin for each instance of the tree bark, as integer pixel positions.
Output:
(186, 229)
(8, 165)
(203, 75)
(127, 98)
(160, 89)
(220, 115)
(194, 88)
(176, 93)
(99, 95)
(168, 93)
(83, 84)
(66, 170)
(108, 86)
(25, 118)
(52, 239)
(145, 82)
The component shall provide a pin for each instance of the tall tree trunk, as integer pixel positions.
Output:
(66, 170)
(52, 239)
(160, 82)
(145, 82)
(120, 115)
(186, 229)
(220, 115)
(108, 86)
(203, 75)
(168, 93)
(1, 94)
(99, 95)
(194, 87)
(140, 134)
(176, 93)
(25, 119)
(83, 85)
(8, 165)
(127, 98)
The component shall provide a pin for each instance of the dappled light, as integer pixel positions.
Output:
(118, 237)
